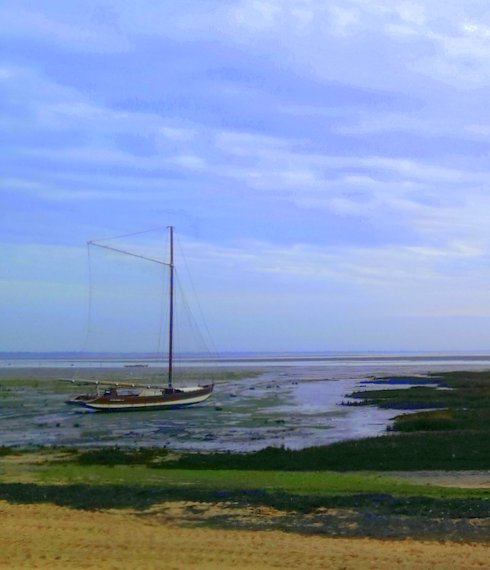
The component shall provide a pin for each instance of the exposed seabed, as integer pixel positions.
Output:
(294, 405)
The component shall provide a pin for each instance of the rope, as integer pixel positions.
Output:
(213, 350)
(131, 254)
(132, 234)
(89, 307)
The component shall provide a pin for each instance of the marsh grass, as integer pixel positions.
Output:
(122, 456)
(451, 450)
(87, 496)
(5, 450)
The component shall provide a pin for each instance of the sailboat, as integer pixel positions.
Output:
(113, 396)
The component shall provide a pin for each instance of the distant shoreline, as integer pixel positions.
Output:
(118, 360)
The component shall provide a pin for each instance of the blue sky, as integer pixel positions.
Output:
(326, 165)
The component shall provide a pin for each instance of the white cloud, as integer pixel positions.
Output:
(384, 266)
(53, 192)
(289, 169)
(430, 40)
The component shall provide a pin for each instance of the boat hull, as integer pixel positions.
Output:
(167, 399)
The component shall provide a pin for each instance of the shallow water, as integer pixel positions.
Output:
(290, 405)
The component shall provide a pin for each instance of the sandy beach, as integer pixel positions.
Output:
(46, 536)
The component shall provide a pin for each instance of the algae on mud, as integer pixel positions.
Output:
(250, 409)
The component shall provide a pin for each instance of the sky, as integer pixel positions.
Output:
(325, 165)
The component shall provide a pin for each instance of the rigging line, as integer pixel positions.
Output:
(162, 316)
(184, 315)
(201, 312)
(90, 293)
(207, 338)
(194, 327)
(128, 253)
(192, 320)
(133, 234)
(89, 307)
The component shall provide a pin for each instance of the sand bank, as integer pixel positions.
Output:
(46, 536)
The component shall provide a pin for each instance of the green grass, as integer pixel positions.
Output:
(64, 469)
(297, 482)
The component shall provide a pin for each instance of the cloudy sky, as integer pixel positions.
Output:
(326, 165)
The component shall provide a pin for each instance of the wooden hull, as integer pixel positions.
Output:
(113, 401)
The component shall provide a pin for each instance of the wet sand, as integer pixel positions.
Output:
(46, 536)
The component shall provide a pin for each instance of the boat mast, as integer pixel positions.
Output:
(171, 308)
